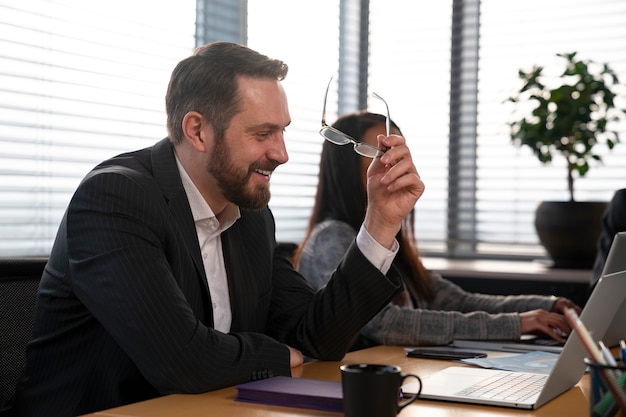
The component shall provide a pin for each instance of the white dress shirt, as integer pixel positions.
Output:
(209, 228)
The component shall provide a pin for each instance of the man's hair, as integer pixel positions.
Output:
(206, 82)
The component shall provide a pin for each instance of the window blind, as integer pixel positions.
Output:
(221, 20)
(410, 68)
(79, 82)
(312, 60)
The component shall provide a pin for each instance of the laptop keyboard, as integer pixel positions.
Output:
(506, 386)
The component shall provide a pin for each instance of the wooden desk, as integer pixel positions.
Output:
(221, 403)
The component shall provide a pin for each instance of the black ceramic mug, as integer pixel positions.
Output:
(374, 390)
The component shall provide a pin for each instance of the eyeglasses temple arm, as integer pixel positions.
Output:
(388, 121)
(326, 98)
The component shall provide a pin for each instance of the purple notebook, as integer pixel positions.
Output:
(293, 392)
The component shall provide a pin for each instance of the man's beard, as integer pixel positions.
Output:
(233, 181)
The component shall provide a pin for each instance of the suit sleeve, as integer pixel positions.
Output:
(327, 326)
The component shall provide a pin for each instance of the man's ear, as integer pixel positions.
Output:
(194, 128)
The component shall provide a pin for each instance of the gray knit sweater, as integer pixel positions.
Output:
(452, 314)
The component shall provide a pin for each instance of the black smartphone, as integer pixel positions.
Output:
(444, 353)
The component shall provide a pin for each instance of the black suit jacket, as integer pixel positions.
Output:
(124, 311)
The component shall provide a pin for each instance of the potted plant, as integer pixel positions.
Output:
(571, 119)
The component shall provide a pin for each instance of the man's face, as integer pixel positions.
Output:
(253, 144)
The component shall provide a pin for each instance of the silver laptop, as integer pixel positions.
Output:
(616, 259)
(603, 315)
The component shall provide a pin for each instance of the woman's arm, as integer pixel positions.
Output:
(324, 250)
(396, 325)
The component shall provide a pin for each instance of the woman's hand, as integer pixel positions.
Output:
(543, 323)
(562, 303)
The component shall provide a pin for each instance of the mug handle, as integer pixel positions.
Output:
(408, 401)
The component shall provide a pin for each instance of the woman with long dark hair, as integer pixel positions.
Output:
(431, 310)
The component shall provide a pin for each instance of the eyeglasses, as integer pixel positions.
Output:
(339, 138)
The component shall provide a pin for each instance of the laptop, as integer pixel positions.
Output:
(603, 314)
(616, 259)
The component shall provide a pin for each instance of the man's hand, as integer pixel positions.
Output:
(544, 323)
(295, 357)
(393, 188)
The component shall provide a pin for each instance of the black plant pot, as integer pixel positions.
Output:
(569, 231)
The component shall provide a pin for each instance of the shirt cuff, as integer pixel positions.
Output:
(378, 255)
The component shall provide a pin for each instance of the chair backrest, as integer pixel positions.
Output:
(19, 279)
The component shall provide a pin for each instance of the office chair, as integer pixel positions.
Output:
(19, 279)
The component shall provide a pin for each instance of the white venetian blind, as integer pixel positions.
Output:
(306, 37)
(82, 81)
(79, 82)
(410, 68)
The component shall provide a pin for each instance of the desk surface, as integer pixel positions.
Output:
(221, 403)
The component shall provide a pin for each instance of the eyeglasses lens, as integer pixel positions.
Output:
(334, 136)
(369, 151)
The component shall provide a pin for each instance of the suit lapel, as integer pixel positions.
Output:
(240, 280)
(165, 171)
(248, 248)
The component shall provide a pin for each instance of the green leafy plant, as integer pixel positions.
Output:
(571, 118)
